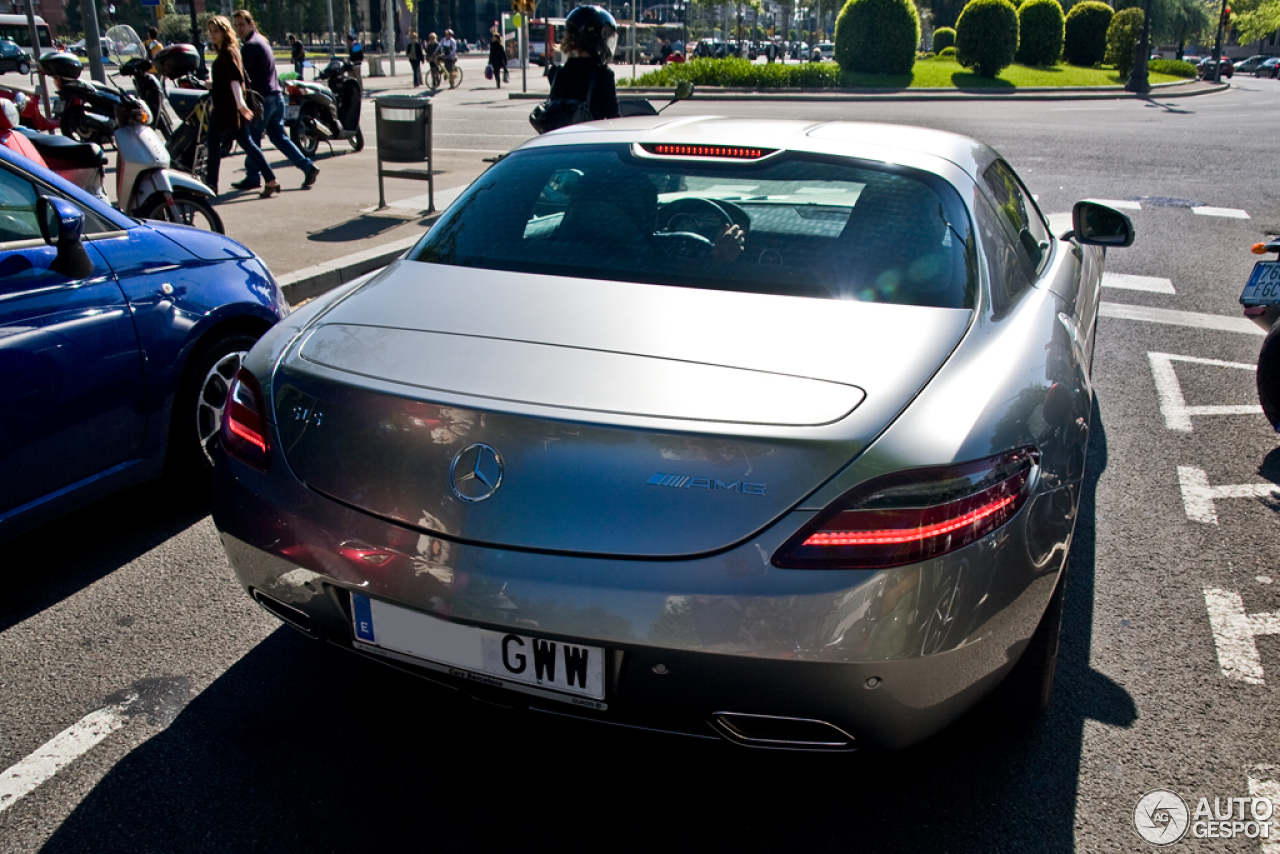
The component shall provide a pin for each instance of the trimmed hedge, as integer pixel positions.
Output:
(1176, 67)
(743, 73)
(948, 52)
(1041, 24)
(943, 38)
(987, 36)
(1085, 37)
(877, 36)
(1122, 40)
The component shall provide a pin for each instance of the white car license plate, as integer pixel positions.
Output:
(500, 659)
(1264, 284)
(291, 111)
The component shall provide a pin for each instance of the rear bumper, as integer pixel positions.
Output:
(888, 657)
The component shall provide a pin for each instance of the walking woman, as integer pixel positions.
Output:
(497, 59)
(231, 112)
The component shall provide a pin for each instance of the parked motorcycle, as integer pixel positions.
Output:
(88, 108)
(29, 109)
(316, 112)
(145, 185)
(1261, 301)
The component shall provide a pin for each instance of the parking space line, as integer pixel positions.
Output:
(1198, 496)
(1233, 213)
(60, 751)
(1262, 784)
(1150, 284)
(1216, 322)
(1121, 204)
(1233, 634)
(1173, 406)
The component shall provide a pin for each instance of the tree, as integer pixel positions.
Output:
(1122, 39)
(1179, 20)
(946, 12)
(877, 36)
(1041, 25)
(1085, 39)
(1257, 22)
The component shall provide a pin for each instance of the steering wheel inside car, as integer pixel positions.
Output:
(691, 214)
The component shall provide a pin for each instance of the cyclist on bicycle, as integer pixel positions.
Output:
(448, 51)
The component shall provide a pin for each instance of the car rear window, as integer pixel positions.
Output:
(811, 226)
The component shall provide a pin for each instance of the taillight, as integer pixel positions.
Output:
(913, 516)
(244, 423)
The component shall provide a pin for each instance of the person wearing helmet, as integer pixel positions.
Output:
(448, 51)
(590, 35)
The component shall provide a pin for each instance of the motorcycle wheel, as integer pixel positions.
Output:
(70, 120)
(302, 135)
(357, 141)
(188, 209)
(1269, 377)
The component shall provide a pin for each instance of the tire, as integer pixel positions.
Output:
(1026, 691)
(198, 406)
(24, 67)
(1269, 376)
(455, 78)
(302, 136)
(357, 141)
(188, 209)
(70, 120)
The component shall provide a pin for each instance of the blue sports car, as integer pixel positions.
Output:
(118, 339)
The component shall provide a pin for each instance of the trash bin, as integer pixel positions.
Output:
(403, 124)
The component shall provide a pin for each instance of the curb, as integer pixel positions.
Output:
(1098, 93)
(318, 279)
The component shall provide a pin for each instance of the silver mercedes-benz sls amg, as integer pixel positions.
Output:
(774, 430)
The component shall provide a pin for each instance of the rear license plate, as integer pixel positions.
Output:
(524, 663)
(1264, 284)
(291, 112)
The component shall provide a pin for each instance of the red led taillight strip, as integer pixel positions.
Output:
(893, 537)
(731, 152)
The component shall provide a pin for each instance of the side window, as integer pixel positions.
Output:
(17, 208)
(1008, 272)
(1018, 215)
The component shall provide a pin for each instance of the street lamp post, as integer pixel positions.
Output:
(1139, 81)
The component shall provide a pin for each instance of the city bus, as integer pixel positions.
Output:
(538, 30)
(15, 28)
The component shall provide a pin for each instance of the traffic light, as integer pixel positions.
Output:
(1226, 17)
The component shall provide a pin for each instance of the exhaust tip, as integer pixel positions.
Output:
(780, 732)
(290, 615)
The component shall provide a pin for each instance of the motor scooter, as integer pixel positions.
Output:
(145, 185)
(314, 112)
(88, 108)
(1261, 301)
(29, 109)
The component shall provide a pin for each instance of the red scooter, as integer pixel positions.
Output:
(28, 110)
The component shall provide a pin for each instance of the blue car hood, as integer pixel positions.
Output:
(204, 245)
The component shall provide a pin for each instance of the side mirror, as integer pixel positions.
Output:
(1095, 224)
(684, 90)
(61, 226)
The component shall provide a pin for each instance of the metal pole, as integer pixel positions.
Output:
(389, 35)
(1217, 45)
(1138, 79)
(93, 45)
(524, 52)
(35, 54)
(332, 44)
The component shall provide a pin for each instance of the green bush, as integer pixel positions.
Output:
(1175, 67)
(947, 53)
(943, 37)
(987, 36)
(877, 36)
(1040, 27)
(1085, 37)
(1122, 39)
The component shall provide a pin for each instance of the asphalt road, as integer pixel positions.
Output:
(220, 731)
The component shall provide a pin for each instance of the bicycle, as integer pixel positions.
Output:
(435, 73)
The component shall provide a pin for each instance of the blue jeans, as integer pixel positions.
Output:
(273, 123)
(253, 154)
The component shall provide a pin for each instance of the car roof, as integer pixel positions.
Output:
(904, 145)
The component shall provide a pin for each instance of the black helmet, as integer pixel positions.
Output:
(592, 29)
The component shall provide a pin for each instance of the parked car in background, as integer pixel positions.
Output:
(1250, 65)
(1268, 67)
(1205, 68)
(13, 58)
(828, 51)
(118, 339)
(770, 429)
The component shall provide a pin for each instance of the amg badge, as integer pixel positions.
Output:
(711, 484)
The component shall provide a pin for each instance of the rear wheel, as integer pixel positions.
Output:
(303, 133)
(1026, 691)
(357, 141)
(24, 67)
(1269, 377)
(198, 406)
(188, 209)
(455, 77)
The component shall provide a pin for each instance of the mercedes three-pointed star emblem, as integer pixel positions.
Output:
(476, 473)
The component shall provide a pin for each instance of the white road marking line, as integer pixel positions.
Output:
(1177, 415)
(61, 750)
(1216, 322)
(1233, 213)
(1233, 634)
(1150, 284)
(1120, 204)
(1262, 784)
(1198, 496)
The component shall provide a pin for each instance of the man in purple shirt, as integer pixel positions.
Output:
(260, 66)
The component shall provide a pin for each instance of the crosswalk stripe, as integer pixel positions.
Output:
(1233, 213)
(1150, 284)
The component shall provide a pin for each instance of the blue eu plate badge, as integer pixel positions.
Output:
(362, 617)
